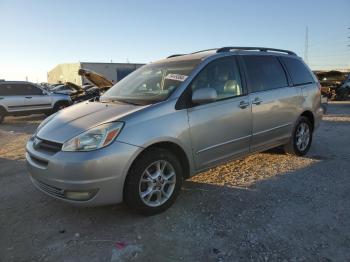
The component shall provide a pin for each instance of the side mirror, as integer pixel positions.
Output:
(204, 95)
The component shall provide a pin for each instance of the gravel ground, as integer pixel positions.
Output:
(266, 207)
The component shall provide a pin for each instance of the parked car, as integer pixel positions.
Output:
(67, 88)
(172, 119)
(24, 98)
(343, 91)
(62, 89)
(334, 84)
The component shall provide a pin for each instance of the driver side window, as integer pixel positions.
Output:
(222, 75)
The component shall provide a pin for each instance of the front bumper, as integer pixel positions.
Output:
(101, 173)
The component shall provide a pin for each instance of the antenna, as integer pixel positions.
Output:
(306, 50)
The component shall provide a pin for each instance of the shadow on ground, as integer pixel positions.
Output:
(289, 216)
(22, 124)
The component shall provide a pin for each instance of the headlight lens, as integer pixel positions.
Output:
(94, 138)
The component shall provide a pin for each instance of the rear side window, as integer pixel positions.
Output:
(31, 90)
(298, 72)
(19, 90)
(264, 73)
(6, 90)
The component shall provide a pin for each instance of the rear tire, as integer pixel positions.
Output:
(300, 142)
(153, 182)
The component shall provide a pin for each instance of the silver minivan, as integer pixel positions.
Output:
(172, 119)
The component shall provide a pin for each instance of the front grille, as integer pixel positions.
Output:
(50, 189)
(45, 145)
(38, 161)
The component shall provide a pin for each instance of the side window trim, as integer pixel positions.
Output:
(288, 77)
(243, 74)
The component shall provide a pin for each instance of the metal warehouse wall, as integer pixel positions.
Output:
(69, 72)
(112, 71)
(64, 73)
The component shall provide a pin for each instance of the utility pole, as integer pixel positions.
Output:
(306, 50)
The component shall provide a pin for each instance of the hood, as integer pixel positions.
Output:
(78, 118)
(96, 79)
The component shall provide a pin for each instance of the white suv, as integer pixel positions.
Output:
(24, 98)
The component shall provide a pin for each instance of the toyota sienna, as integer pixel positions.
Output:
(172, 119)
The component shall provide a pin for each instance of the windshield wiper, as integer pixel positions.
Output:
(125, 101)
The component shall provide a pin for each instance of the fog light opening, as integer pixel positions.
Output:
(80, 195)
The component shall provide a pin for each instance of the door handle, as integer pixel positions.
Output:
(29, 97)
(257, 101)
(243, 104)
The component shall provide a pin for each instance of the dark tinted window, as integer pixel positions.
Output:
(20, 89)
(264, 73)
(6, 90)
(221, 75)
(32, 90)
(123, 72)
(298, 71)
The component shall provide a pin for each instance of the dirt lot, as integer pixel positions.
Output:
(266, 207)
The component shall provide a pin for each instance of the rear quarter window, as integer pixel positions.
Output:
(298, 72)
(6, 90)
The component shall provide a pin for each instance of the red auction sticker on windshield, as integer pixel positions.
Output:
(176, 77)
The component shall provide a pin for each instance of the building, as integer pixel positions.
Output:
(69, 72)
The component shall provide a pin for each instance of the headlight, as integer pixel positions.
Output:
(94, 138)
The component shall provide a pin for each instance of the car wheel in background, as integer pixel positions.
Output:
(153, 182)
(301, 139)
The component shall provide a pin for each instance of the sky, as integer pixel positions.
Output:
(36, 35)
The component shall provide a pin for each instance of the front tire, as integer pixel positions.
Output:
(300, 142)
(153, 182)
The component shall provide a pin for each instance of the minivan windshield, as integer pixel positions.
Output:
(151, 83)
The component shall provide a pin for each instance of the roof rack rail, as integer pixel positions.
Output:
(205, 50)
(175, 55)
(262, 49)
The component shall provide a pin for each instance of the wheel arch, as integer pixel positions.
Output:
(174, 148)
(61, 101)
(309, 115)
(3, 109)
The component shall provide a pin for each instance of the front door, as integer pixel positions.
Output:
(220, 130)
(35, 99)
